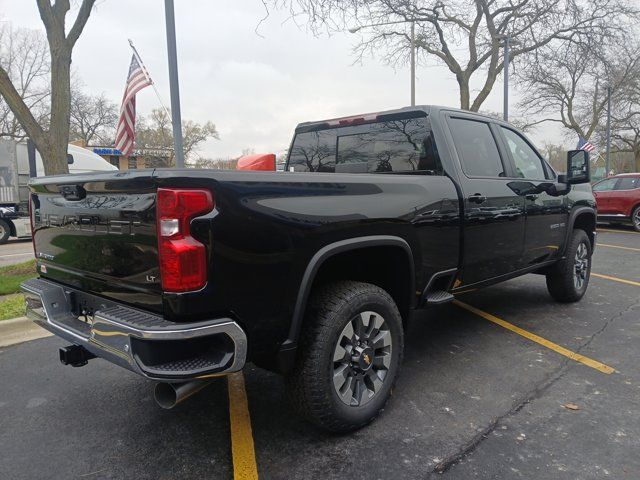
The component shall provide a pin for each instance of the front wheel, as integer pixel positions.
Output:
(349, 356)
(568, 279)
(635, 218)
(5, 232)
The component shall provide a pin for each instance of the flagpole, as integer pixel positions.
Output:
(146, 74)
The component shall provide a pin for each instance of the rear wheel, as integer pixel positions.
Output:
(349, 356)
(568, 279)
(5, 232)
(635, 218)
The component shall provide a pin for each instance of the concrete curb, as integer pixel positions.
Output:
(19, 330)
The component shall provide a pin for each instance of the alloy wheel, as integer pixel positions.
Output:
(581, 266)
(361, 358)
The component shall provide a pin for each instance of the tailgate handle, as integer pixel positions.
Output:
(73, 192)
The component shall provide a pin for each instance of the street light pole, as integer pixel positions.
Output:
(413, 64)
(505, 111)
(413, 50)
(608, 159)
(174, 87)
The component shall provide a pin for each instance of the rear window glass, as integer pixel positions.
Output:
(395, 146)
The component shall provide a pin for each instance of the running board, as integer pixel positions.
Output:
(438, 297)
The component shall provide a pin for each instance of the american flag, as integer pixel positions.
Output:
(136, 81)
(585, 145)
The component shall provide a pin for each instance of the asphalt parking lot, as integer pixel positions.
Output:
(506, 384)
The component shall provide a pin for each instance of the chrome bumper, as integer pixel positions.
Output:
(139, 341)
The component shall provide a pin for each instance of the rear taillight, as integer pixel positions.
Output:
(183, 260)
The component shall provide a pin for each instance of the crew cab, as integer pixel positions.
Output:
(181, 275)
(618, 199)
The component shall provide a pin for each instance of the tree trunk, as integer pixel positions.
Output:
(55, 156)
(636, 157)
(464, 93)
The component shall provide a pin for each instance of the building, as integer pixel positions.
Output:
(140, 158)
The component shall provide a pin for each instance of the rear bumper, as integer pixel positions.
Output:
(139, 341)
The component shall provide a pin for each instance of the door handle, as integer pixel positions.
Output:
(477, 198)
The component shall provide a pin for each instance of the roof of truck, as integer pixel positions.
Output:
(369, 117)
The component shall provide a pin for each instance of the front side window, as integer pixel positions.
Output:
(605, 185)
(477, 148)
(527, 162)
(628, 183)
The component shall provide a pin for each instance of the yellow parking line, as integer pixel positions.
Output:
(601, 367)
(242, 449)
(617, 231)
(616, 279)
(618, 246)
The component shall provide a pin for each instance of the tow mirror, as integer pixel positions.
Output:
(578, 170)
(260, 161)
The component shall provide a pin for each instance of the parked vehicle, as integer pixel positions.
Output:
(14, 176)
(618, 199)
(184, 275)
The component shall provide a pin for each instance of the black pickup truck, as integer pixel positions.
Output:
(186, 275)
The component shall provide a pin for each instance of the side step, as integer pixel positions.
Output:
(438, 297)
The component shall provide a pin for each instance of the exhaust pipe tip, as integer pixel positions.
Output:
(165, 395)
(168, 395)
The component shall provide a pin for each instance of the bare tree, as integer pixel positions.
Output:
(566, 83)
(463, 35)
(626, 119)
(25, 57)
(93, 117)
(51, 141)
(155, 132)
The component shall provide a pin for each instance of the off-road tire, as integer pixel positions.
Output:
(5, 231)
(310, 385)
(561, 279)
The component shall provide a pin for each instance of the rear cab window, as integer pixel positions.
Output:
(395, 145)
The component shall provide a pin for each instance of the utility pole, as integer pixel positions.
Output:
(608, 159)
(174, 87)
(413, 64)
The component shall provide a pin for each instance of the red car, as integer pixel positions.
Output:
(618, 199)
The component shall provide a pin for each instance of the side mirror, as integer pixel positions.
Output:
(261, 161)
(578, 167)
(69, 159)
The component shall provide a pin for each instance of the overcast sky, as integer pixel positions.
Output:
(255, 89)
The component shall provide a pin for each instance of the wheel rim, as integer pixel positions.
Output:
(2, 230)
(362, 358)
(636, 219)
(581, 266)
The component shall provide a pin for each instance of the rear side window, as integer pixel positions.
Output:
(394, 146)
(628, 183)
(476, 147)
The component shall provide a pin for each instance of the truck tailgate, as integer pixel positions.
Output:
(98, 233)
